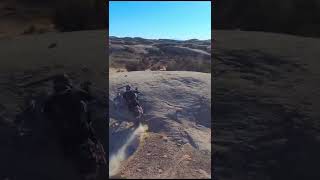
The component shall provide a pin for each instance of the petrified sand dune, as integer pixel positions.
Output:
(177, 108)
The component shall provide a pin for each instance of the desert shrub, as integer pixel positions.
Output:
(145, 63)
(172, 66)
(185, 64)
(33, 29)
(287, 16)
(205, 67)
(30, 30)
(72, 15)
(140, 65)
(132, 66)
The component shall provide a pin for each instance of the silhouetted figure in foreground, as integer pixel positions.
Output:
(67, 111)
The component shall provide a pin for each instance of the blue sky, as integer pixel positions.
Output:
(179, 20)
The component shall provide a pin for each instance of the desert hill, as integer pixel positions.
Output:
(157, 54)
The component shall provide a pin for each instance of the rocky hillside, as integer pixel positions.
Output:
(163, 54)
(177, 107)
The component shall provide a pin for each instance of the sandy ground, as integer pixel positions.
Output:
(177, 108)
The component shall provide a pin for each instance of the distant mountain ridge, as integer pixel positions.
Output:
(160, 39)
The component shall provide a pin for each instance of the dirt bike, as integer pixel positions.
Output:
(136, 109)
(133, 106)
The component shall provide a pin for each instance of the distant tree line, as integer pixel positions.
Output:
(301, 17)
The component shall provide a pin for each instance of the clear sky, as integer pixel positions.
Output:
(179, 20)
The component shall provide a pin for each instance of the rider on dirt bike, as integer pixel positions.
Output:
(131, 97)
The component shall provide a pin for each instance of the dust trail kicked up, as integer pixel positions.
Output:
(118, 157)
